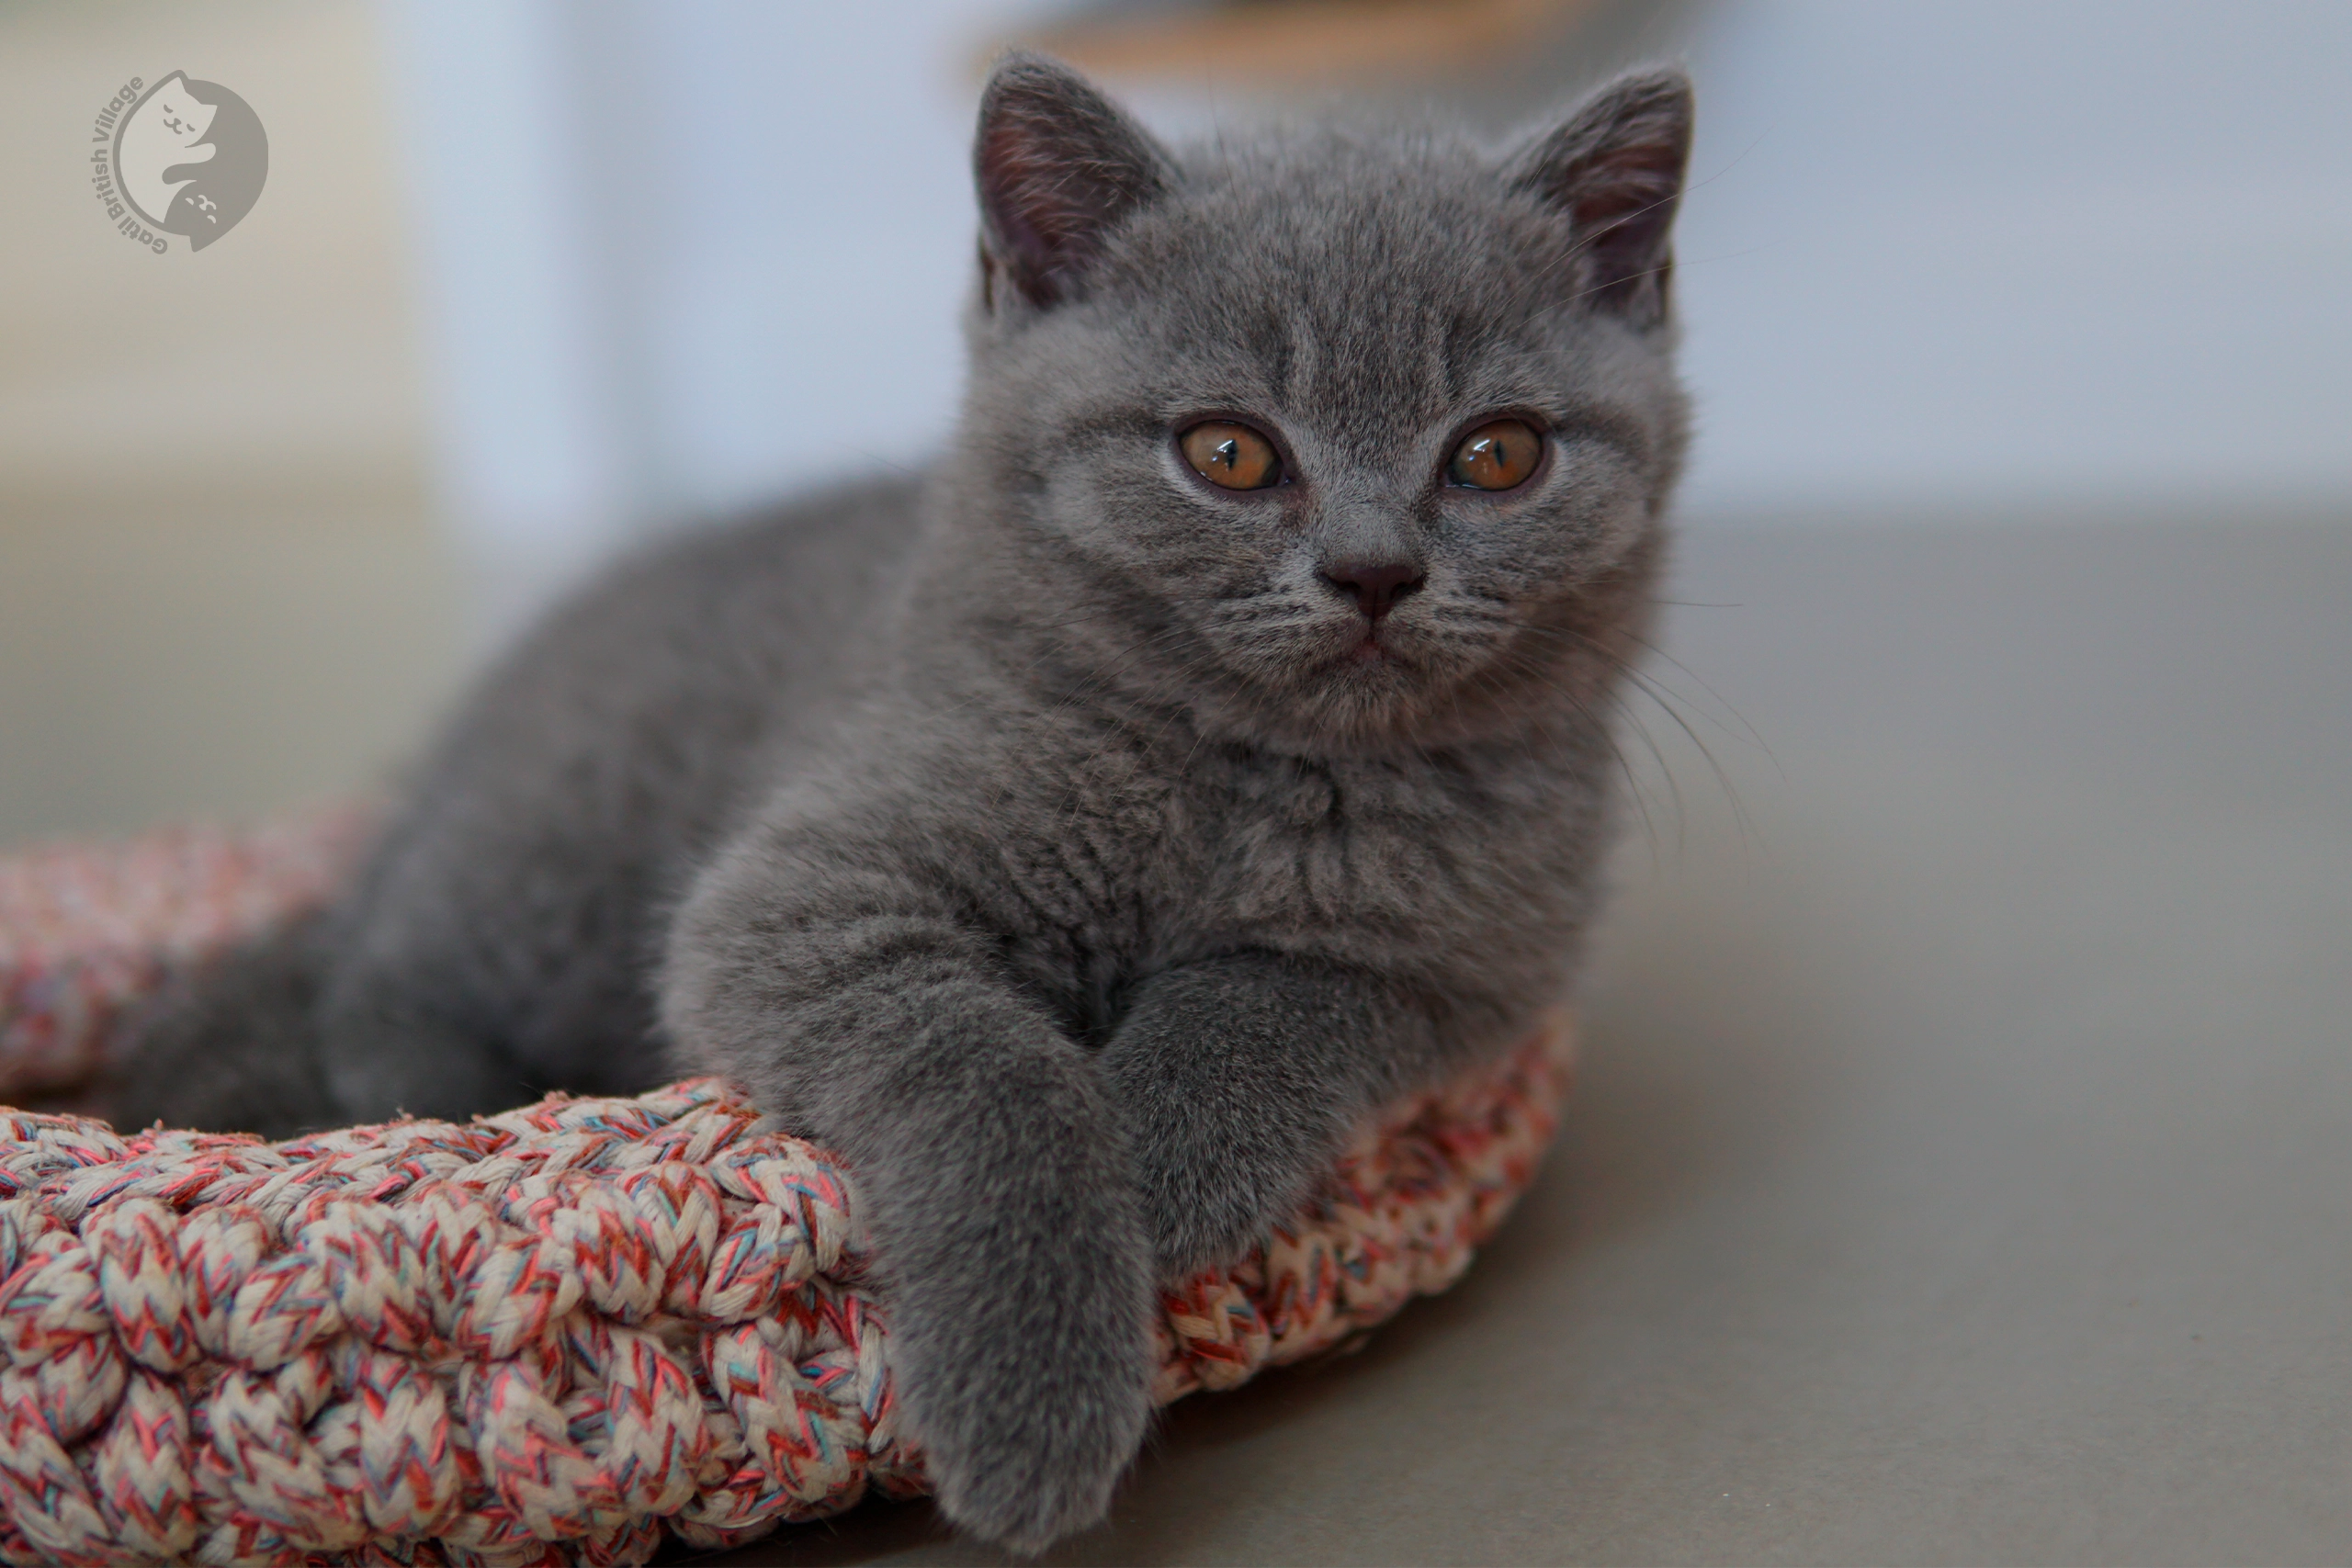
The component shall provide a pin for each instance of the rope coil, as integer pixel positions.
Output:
(559, 1334)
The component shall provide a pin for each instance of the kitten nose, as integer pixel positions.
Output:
(1375, 586)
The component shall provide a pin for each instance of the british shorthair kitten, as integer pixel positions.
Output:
(1083, 839)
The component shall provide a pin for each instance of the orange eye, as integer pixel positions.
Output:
(1498, 456)
(1233, 456)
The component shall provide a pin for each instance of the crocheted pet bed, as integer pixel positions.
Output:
(554, 1335)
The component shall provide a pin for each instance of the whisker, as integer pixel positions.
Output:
(1640, 681)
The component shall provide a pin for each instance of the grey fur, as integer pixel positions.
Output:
(1030, 834)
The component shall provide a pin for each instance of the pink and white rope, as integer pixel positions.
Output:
(87, 928)
(559, 1334)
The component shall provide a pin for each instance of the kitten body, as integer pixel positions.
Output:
(1076, 846)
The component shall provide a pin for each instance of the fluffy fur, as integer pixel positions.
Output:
(1055, 836)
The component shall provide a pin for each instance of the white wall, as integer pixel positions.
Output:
(682, 258)
(1952, 256)
(1943, 257)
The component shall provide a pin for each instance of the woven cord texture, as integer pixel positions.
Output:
(561, 1335)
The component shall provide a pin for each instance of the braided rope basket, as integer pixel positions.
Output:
(559, 1334)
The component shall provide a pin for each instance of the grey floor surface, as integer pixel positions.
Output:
(1959, 1172)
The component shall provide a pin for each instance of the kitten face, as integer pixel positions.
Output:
(1366, 306)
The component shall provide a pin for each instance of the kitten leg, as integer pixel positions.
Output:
(233, 1048)
(382, 1063)
(279, 1040)
(990, 1166)
(1240, 1078)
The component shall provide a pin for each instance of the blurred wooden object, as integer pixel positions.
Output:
(1310, 42)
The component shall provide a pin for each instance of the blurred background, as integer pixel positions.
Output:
(534, 278)
(1958, 1169)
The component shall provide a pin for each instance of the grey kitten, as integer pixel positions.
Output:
(1083, 840)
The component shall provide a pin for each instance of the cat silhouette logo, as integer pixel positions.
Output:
(181, 157)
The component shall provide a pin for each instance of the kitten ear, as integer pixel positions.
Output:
(1615, 168)
(1058, 167)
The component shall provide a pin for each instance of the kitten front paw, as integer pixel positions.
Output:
(1025, 1367)
(1025, 1495)
(1229, 1134)
(1207, 1203)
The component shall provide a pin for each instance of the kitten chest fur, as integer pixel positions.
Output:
(1122, 848)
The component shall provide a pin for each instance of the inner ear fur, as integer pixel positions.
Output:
(1615, 167)
(1058, 167)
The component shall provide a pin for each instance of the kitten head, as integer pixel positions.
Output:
(1335, 438)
